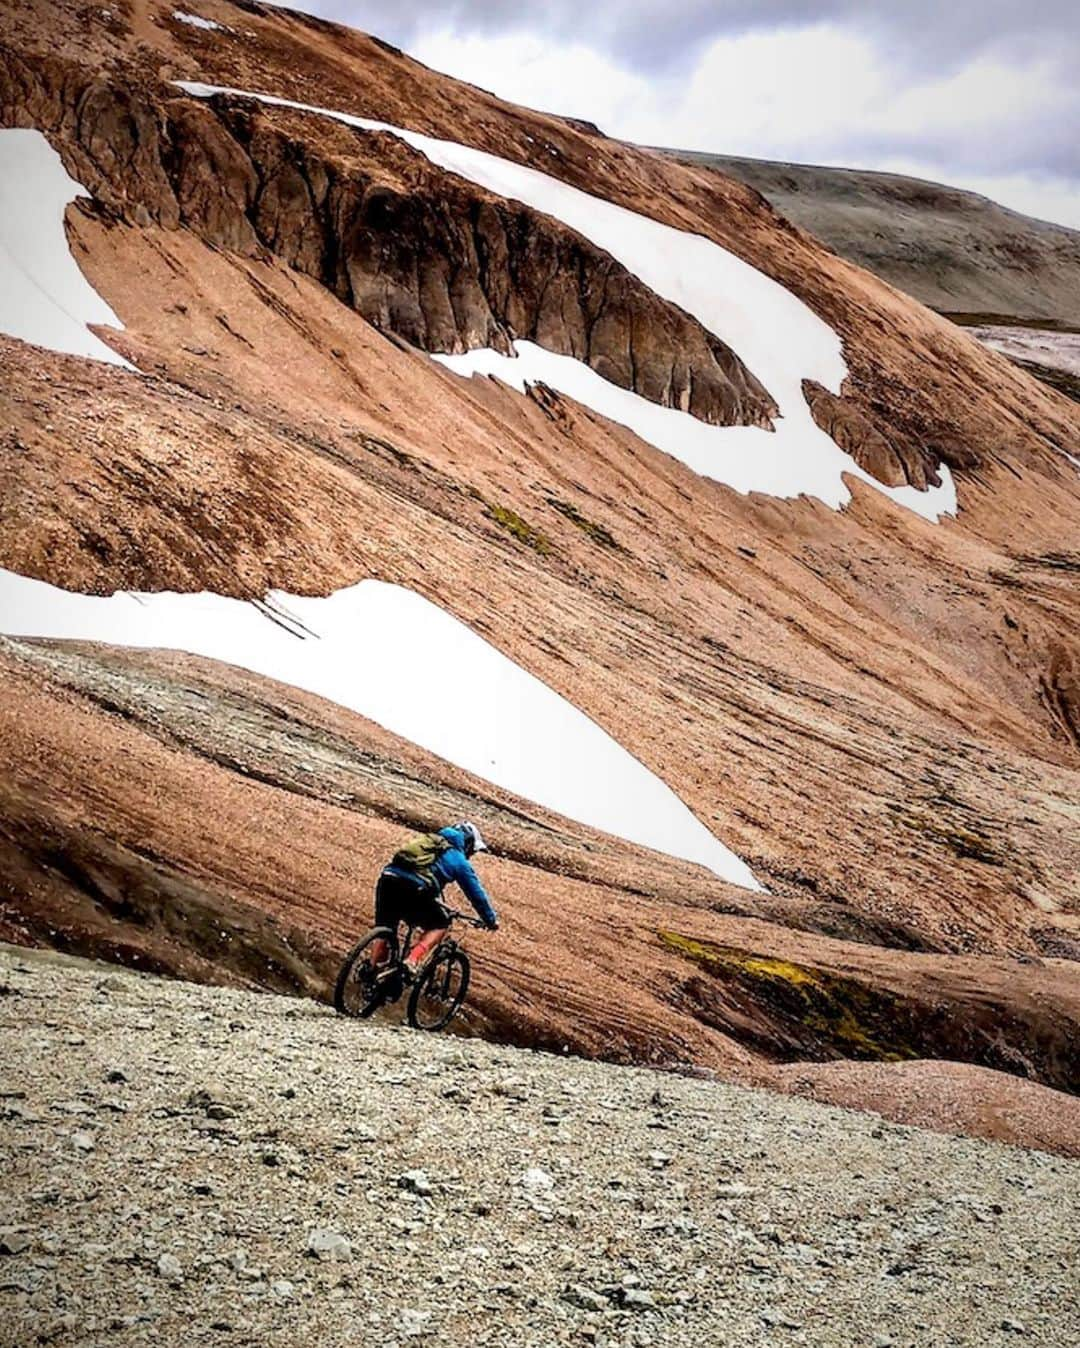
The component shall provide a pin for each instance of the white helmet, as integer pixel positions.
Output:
(473, 841)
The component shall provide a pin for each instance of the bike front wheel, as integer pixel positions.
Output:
(438, 993)
(358, 991)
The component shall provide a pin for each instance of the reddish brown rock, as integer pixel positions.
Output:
(849, 426)
(418, 253)
(877, 713)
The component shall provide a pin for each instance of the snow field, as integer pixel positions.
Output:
(194, 21)
(777, 337)
(44, 297)
(767, 465)
(448, 690)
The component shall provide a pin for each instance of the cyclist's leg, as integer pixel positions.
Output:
(428, 939)
(431, 923)
(387, 913)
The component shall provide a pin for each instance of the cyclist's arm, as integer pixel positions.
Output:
(463, 873)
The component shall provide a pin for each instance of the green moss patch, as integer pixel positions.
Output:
(518, 528)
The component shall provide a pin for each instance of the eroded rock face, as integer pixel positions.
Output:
(896, 459)
(1061, 681)
(894, 463)
(417, 252)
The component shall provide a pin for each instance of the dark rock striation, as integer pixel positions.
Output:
(417, 252)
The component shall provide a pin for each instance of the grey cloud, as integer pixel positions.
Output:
(1043, 147)
(917, 40)
(662, 36)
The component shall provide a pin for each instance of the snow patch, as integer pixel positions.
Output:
(768, 464)
(44, 297)
(450, 691)
(779, 338)
(194, 21)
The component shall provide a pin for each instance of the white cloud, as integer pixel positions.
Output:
(820, 94)
(524, 68)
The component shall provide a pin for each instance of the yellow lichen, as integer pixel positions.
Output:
(835, 1013)
(518, 528)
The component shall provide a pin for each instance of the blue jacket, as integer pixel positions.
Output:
(453, 866)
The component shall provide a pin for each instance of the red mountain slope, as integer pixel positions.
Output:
(879, 714)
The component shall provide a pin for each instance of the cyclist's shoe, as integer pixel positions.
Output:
(389, 983)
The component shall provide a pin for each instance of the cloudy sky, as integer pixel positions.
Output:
(979, 93)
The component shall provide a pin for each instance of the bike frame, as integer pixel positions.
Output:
(447, 942)
(447, 951)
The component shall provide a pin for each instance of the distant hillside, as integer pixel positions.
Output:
(956, 251)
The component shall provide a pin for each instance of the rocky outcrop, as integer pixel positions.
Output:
(896, 462)
(1061, 681)
(417, 252)
(853, 431)
(789, 1010)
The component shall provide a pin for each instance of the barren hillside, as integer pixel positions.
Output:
(795, 555)
(954, 250)
(1012, 280)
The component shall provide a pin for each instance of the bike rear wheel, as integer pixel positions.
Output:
(438, 993)
(357, 991)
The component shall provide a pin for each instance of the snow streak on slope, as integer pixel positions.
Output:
(195, 21)
(776, 336)
(44, 297)
(450, 691)
(713, 451)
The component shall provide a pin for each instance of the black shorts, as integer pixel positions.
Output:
(400, 898)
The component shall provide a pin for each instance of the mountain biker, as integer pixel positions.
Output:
(410, 889)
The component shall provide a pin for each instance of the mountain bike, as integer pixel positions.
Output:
(436, 992)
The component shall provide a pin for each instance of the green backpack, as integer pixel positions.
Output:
(420, 853)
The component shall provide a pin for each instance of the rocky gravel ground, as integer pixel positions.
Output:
(185, 1165)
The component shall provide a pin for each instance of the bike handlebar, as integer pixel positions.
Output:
(470, 918)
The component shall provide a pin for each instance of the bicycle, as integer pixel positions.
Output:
(437, 991)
